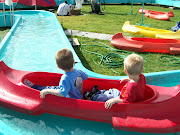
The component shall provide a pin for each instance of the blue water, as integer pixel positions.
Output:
(32, 47)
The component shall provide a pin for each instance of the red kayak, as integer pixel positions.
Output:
(141, 44)
(170, 13)
(157, 15)
(159, 113)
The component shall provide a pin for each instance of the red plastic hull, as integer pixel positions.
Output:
(158, 114)
(164, 17)
(170, 13)
(140, 44)
(157, 15)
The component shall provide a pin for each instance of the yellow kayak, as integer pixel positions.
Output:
(150, 32)
(173, 35)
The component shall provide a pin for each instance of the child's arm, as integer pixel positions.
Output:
(124, 80)
(83, 75)
(56, 92)
(110, 102)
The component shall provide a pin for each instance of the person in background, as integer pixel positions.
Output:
(63, 9)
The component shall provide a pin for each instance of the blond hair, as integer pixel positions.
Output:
(64, 59)
(133, 64)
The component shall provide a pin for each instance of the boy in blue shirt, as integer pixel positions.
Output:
(70, 84)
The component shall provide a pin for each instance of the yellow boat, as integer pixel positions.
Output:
(150, 32)
(173, 35)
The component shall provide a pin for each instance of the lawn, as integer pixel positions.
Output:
(114, 17)
(94, 53)
(111, 23)
(3, 32)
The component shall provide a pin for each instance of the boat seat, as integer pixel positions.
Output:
(43, 78)
(150, 94)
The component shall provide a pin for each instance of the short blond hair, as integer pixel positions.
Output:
(64, 59)
(133, 64)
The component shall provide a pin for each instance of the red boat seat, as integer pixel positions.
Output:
(150, 94)
(53, 80)
(43, 79)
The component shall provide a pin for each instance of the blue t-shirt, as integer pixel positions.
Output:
(70, 84)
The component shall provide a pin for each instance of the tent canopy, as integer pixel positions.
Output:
(43, 3)
(3, 1)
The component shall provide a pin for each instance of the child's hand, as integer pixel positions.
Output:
(124, 80)
(43, 93)
(109, 103)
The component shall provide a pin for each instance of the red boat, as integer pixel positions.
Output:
(141, 44)
(159, 113)
(157, 15)
(170, 13)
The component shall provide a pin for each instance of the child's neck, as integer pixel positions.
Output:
(134, 78)
(69, 70)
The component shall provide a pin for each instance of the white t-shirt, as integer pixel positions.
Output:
(63, 9)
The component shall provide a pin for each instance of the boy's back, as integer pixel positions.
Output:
(134, 91)
(71, 83)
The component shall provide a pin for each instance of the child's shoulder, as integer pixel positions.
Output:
(141, 75)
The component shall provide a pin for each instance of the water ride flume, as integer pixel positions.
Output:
(159, 113)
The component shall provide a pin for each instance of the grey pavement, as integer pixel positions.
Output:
(100, 36)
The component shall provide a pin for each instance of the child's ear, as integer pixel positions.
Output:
(125, 71)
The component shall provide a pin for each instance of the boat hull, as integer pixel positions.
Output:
(157, 114)
(141, 44)
(163, 17)
(150, 32)
(170, 13)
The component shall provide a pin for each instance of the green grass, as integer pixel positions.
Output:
(153, 62)
(111, 23)
(3, 32)
(114, 17)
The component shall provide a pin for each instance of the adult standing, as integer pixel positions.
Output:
(63, 9)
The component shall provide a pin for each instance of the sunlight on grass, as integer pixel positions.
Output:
(111, 23)
(113, 19)
(94, 53)
(92, 61)
(3, 32)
